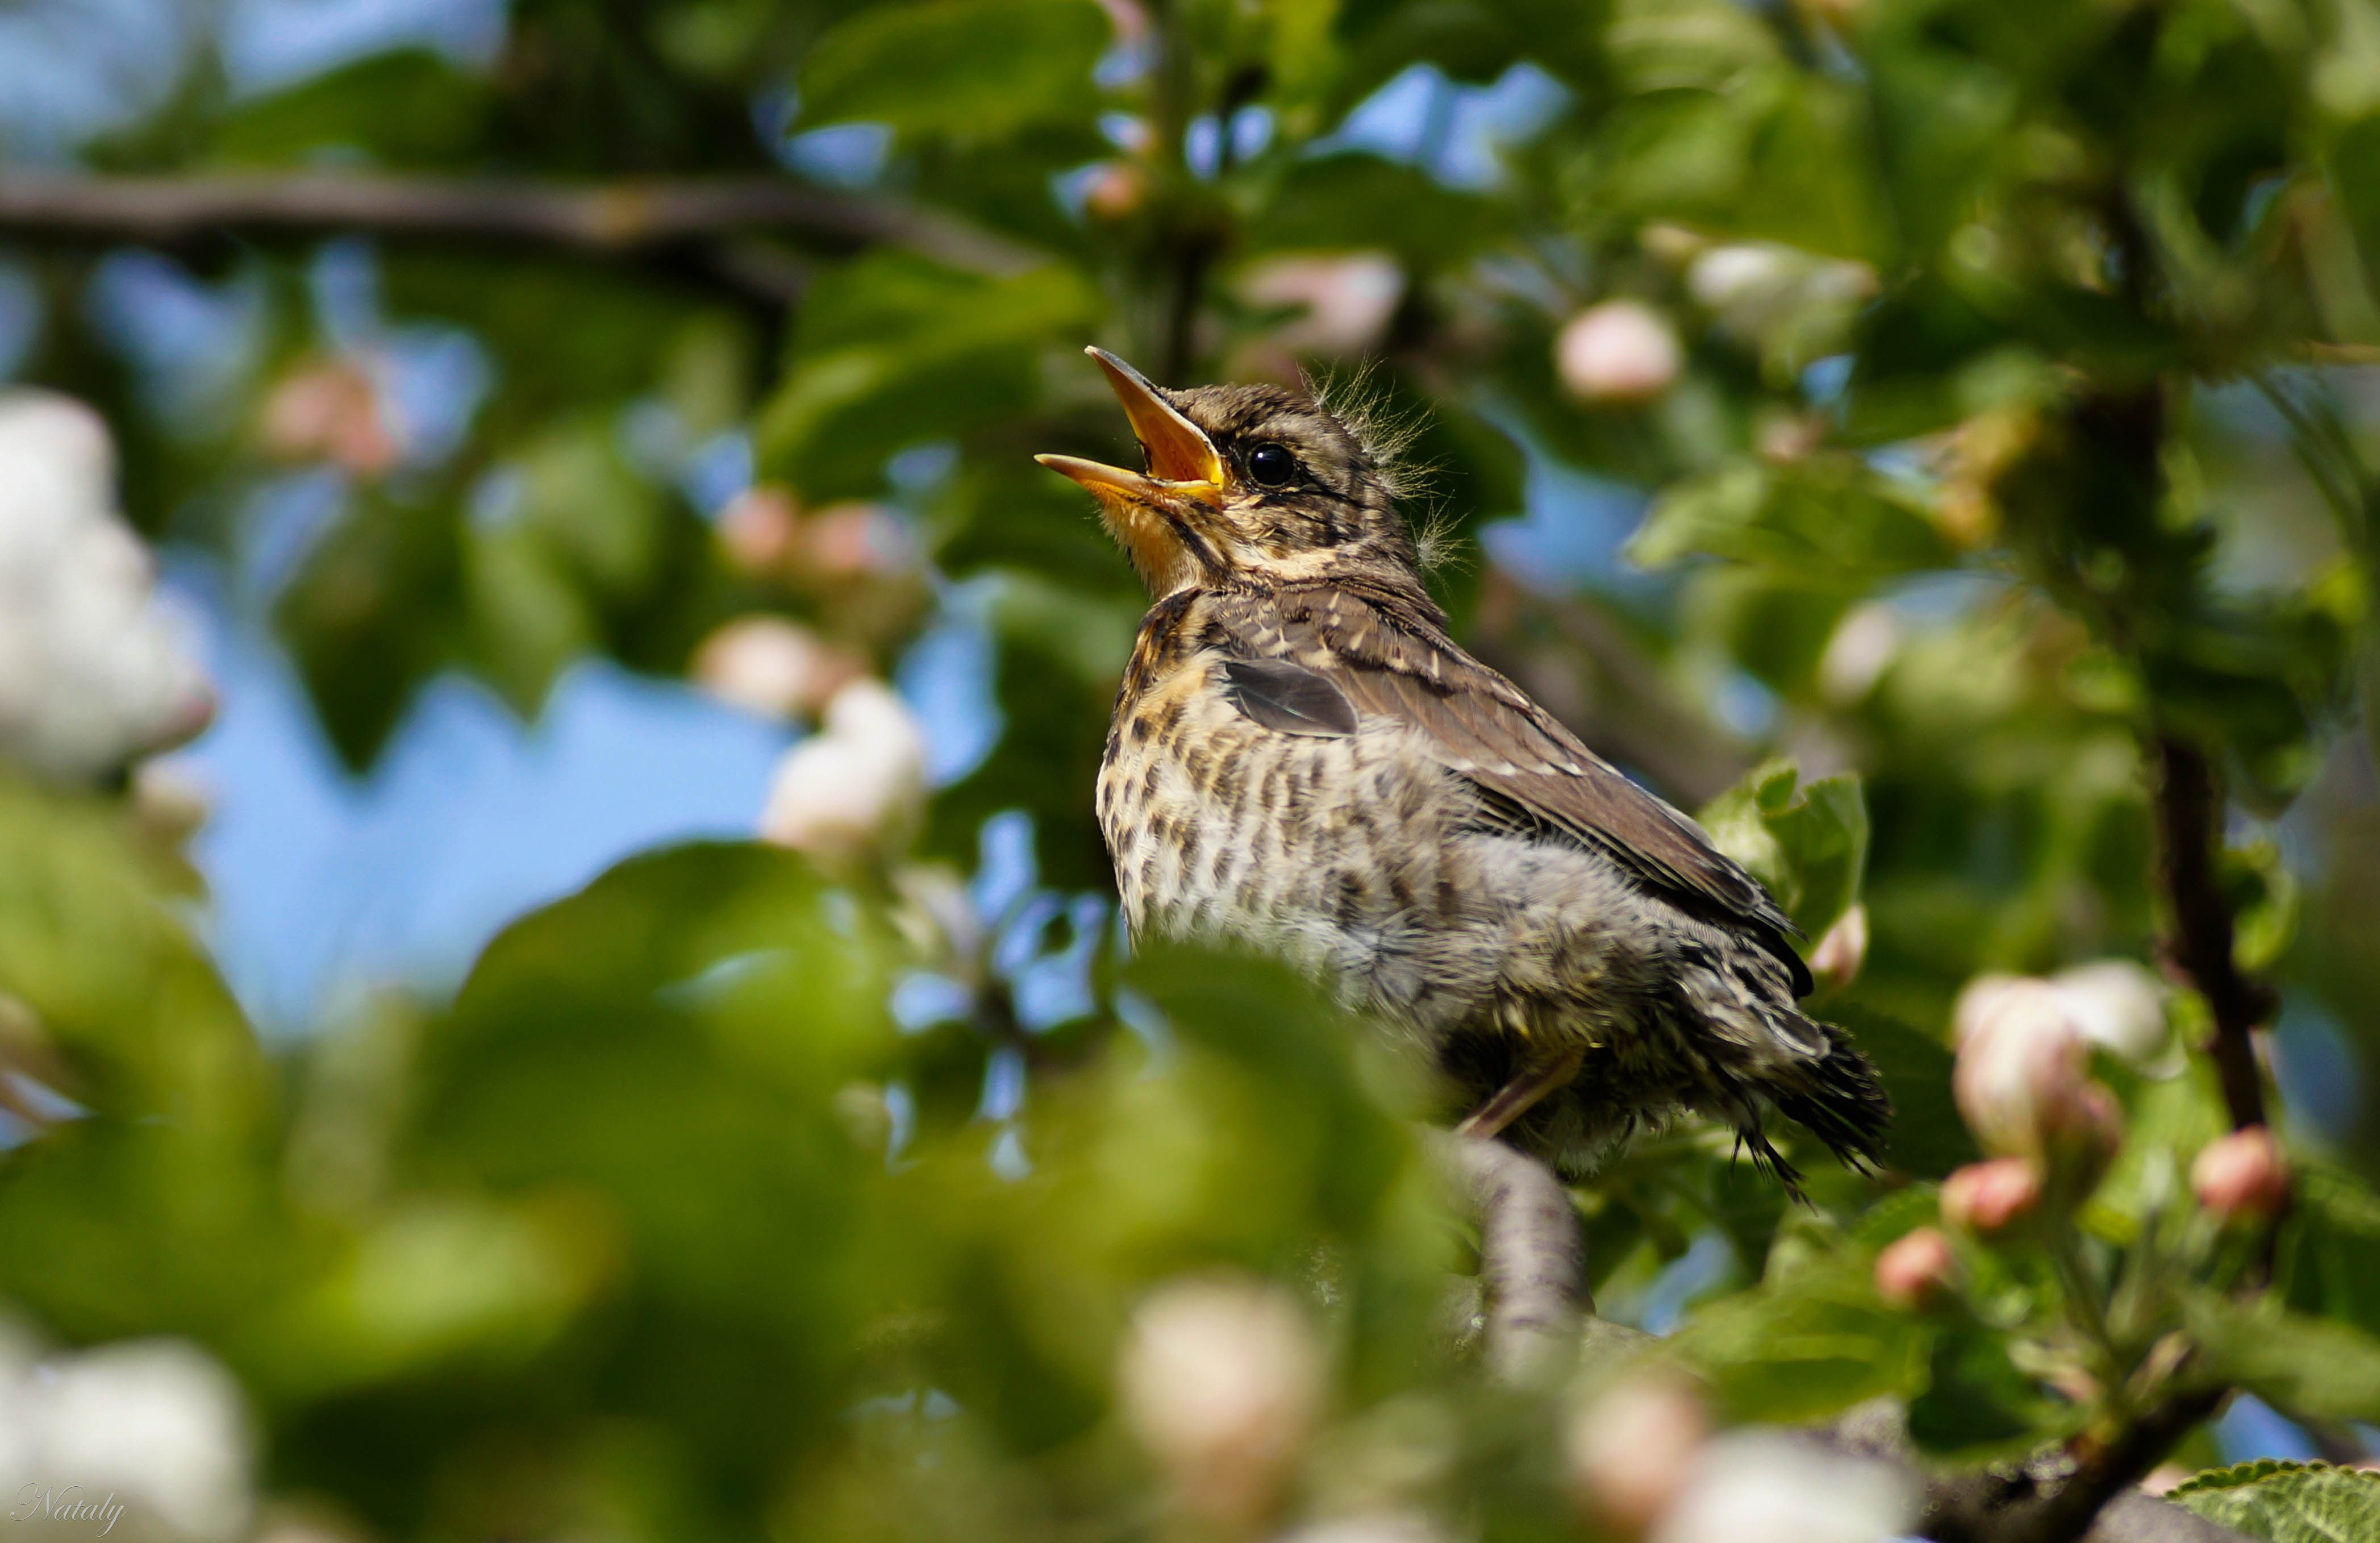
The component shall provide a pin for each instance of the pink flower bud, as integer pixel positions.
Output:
(1841, 949)
(844, 541)
(1116, 190)
(1630, 1451)
(1618, 351)
(2242, 1176)
(757, 528)
(1989, 1198)
(1222, 1381)
(1915, 1269)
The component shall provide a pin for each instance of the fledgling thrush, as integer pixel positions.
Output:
(1303, 759)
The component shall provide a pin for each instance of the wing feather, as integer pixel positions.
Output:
(1481, 725)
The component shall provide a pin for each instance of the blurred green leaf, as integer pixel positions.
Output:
(977, 69)
(2310, 1368)
(1804, 1347)
(374, 614)
(1827, 517)
(405, 108)
(894, 351)
(1977, 1403)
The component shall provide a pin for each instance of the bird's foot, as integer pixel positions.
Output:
(1517, 1097)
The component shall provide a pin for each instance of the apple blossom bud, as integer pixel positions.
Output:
(2241, 1177)
(757, 528)
(1915, 1269)
(1841, 949)
(1630, 1451)
(769, 665)
(856, 786)
(2021, 1071)
(1116, 190)
(1985, 1199)
(170, 799)
(1618, 351)
(1221, 1381)
(845, 539)
(332, 411)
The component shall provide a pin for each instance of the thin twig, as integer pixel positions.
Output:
(2201, 945)
(606, 219)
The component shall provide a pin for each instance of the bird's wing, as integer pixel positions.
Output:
(1483, 728)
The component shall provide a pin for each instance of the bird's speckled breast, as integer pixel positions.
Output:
(1337, 851)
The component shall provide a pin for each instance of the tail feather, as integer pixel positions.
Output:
(1840, 1100)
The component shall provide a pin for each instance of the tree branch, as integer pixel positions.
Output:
(625, 219)
(2188, 809)
(1532, 1257)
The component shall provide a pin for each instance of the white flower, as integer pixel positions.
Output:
(2113, 1003)
(92, 673)
(1768, 1487)
(2117, 1005)
(1221, 1381)
(856, 785)
(772, 666)
(153, 1426)
(1618, 351)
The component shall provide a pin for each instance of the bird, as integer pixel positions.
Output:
(1302, 762)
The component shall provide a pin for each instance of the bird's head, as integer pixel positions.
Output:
(1242, 482)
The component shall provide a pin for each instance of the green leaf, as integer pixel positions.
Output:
(1805, 1347)
(2287, 1503)
(2330, 1248)
(1977, 1403)
(971, 68)
(374, 612)
(894, 351)
(1806, 841)
(2310, 1368)
(1828, 517)
(408, 108)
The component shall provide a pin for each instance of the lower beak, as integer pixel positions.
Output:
(1183, 462)
(1110, 480)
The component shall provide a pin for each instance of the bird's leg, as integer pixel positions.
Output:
(1517, 1098)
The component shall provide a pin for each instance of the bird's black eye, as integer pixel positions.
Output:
(1271, 465)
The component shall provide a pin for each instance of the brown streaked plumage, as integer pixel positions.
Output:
(1303, 759)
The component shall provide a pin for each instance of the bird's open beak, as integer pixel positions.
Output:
(1181, 459)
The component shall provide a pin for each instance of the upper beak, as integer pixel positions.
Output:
(1181, 459)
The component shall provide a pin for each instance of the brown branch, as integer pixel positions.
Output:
(626, 219)
(2188, 811)
(1532, 1258)
(2058, 1495)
